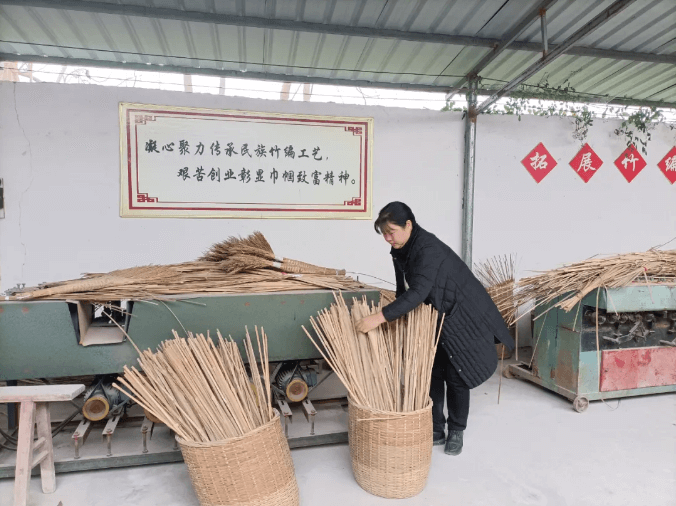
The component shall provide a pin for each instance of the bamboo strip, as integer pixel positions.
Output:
(571, 283)
(203, 391)
(390, 368)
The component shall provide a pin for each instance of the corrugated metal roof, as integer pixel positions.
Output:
(423, 44)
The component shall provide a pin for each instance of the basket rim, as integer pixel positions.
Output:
(224, 442)
(391, 413)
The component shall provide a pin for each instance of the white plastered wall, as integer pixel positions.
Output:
(562, 219)
(59, 159)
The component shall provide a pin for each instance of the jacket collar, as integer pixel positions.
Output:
(402, 254)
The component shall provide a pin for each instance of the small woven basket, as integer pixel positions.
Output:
(391, 452)
(252, 470)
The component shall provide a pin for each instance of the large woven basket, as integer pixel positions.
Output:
(251, 470)
(391, 452)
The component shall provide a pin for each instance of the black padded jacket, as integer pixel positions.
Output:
(437, 276)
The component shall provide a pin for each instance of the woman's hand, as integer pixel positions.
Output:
(370, 322)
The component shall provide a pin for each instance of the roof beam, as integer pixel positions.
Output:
(536, 67)
(525, 22)
(186, 69)
(302, 26)
(111, 64)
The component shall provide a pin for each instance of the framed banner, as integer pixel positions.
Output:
(211, 163)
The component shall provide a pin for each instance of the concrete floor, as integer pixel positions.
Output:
(531, 449)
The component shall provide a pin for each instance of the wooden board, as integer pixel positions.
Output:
(42, 393)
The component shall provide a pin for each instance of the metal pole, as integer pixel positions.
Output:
(543, 29)
(558, 51)
(468, 173)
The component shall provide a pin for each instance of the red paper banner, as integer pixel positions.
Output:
(586, 163)
(668, 165)
(630, 163)
(539, 162)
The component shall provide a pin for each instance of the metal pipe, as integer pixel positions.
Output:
(536, 67)
(508, 39)
(303, 79)
(468, 174)
(543, 30)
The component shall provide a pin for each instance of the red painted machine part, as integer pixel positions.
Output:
(637, 368)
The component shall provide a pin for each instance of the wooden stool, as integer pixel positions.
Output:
(35, 407)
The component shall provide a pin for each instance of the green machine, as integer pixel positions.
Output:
(633, 353)
(48, 340)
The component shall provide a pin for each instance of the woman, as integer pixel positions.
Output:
(429, 271)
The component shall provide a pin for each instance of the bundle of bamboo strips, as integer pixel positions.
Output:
(233, 266)
(572, 282)
(387, 296)
(200, 390)
(497, 276)
(254, 252)
(390, 368)
(255, 243)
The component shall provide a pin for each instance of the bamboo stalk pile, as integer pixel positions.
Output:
(200, 390)
(574, 281)
(254, 252)
(390, 368)
(233, 266)
(497, 276)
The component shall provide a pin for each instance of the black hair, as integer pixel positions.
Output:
(394, 212)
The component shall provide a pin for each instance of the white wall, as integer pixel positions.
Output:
(59, 157)
(562, 219)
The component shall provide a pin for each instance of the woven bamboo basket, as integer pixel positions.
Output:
(391, 452)
(252, 470)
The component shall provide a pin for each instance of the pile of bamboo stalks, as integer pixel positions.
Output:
(497, 276)
(200, 390)
(236, 265)
(254, 252)
(390, 368)
(572, 282)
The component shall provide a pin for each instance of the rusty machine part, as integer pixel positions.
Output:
(620, 342)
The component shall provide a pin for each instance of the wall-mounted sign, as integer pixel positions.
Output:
(586, 163)
(211, 163)
(539, 162)
(630, 163)
(668, 165)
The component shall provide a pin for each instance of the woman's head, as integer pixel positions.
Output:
(395, 222)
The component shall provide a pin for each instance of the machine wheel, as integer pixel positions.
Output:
(507, 373)
(580, 404)
(151, 417)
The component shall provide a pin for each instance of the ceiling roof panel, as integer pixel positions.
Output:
(415, 44)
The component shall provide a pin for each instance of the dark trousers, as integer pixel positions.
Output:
(445, 377)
